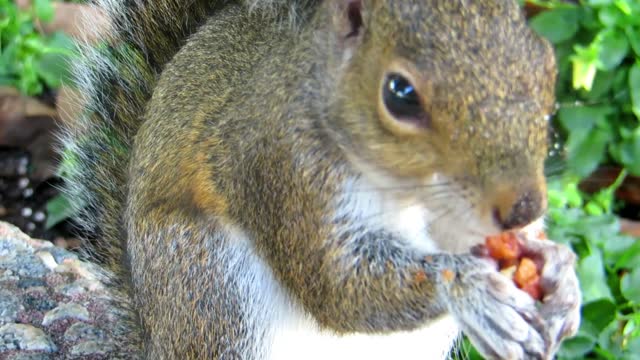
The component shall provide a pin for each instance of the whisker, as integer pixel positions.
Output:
(399, 187)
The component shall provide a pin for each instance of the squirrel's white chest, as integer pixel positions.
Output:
(301, 339)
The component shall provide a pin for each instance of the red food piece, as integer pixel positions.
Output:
(525, 273)
(533, 288)
(503, 247)
(506, 249)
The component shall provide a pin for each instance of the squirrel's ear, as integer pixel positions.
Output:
(347, 18)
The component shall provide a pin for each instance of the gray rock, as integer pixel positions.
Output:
(10, 306)
(38, 302)
(24, 337)
(83, 331)
(24, 265)
(66, 311)
(29, 356)
(40, 283)
(60, 254)
(87, 348)
(76, 288)
(30, 282)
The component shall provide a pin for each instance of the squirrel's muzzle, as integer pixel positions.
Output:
(518, 208)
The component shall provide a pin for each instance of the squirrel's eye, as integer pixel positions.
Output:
(401, 98)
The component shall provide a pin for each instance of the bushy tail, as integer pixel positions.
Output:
(115, 80)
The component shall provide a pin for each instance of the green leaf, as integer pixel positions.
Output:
(577, 347)
(633, 35)
(634, 88)
(43, 9)
(557, 25)
(602, 84)
(586, 152)
(621, 252)
(610, 340)
(58, 209)
(630, 285)
(613, 48)
(596, 316)
(584, 65)
(582, 118)
(627, 152)
(610, 16)
(593, 281)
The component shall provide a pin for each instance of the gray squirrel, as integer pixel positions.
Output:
(290, 179)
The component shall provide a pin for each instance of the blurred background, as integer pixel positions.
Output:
(593, 166)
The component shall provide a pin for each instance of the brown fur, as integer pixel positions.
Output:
(254, 125)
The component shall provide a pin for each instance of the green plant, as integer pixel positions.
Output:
(30, 61)
(597, 45)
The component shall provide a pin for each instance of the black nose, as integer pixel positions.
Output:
(527, 208)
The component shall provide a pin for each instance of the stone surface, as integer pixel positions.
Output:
(88, 348)
(10, 306)
(66, 311)
(24, 337)
(38, 302)
(29, 356)
(60, 255)
(83, 331)
(53, 305)
(30, 282)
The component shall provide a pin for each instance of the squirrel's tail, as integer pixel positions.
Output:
(114, 81)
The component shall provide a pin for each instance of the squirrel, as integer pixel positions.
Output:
(304, 179)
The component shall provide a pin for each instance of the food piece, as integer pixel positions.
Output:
(533, 288)
(523, 270)
(527, 278)
(503, 247)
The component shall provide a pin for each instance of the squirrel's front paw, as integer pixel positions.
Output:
(504, 322)
(560, 308)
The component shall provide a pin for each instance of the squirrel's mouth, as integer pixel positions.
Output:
(456, 215)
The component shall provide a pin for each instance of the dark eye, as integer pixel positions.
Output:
(401, 98)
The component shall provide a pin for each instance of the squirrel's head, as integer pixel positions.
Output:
(450, 98)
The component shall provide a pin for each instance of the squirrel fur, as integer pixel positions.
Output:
(290, 179)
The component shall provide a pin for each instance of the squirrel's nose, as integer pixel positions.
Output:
(522, 210)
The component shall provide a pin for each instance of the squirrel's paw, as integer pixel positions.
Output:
(502, 321)
(560, 308)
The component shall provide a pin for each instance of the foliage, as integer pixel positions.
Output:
(597, 44)
(598, 48)
(30, 61)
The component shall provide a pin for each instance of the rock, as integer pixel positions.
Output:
(60, 255)
(83, 331)
(24, 337)
(30, 282)
(38, 302)
(66, 311)
(88, 348)
(42, 284)
(76, 288)
(9, 307)
(47, 259)
(29, 356)
(24, 265)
